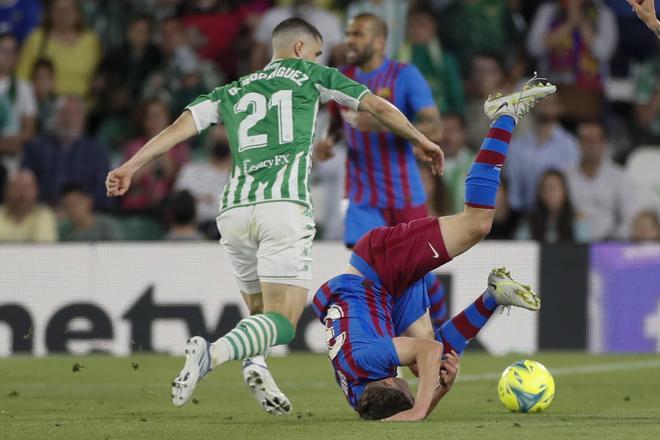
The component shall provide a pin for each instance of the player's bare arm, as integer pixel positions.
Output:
(429, 122)
(390, 117)
(448, 372)
(427, 355)
(645, 10)
(118, 180)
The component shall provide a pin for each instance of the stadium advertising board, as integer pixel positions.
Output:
(121, 297)
(624, 300)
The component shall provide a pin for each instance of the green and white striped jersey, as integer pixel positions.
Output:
(270, 116)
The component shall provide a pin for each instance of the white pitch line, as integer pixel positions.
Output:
(561, 371)
(578, 369)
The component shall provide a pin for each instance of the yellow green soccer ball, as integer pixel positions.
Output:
(527, 387)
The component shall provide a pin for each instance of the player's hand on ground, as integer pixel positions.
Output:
(409, 415)
(324, 149)
(118, 181)
(645, 10)
(451, 363)
(431, 154)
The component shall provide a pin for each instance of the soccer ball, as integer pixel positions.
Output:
(526, 386)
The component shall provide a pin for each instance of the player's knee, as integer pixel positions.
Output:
(480, 222)
(482, 228)
(434, 346)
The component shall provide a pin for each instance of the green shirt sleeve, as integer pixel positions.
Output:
(334, 86)
(205, 110)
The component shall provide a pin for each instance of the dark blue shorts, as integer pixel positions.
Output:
(410, 306)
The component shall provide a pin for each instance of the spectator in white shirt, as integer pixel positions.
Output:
(599, 188)
(206, 180)
(18, 107)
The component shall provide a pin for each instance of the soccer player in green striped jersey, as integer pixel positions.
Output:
(265, 217)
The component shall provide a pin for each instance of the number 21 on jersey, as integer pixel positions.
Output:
(258, 107)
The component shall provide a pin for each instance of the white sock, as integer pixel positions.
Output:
(259, 360)
(220, 352)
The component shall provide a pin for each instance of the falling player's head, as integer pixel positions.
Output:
(366, 37)
(384, 398)
(296, 38)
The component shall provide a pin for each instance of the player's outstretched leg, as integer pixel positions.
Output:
(502, 290)
(262, 385)
(462, 231)
(252, 336)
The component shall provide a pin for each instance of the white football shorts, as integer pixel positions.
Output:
(269, 242)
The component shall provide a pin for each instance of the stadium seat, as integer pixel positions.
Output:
(642, 169)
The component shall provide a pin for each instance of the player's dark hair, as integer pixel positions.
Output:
(379, 402)
(297, 24)
(379, 24)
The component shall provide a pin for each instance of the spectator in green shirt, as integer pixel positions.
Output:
(440, 68)
(471, 26)
(647, 101)
(80, 223)
(458, 160)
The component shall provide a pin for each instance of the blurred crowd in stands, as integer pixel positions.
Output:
(85, 84)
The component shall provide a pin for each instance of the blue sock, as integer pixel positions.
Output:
(456, 333)
(437, 300)
(483, 179)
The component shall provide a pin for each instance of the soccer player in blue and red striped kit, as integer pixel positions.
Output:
(369, 310)
(383, 183)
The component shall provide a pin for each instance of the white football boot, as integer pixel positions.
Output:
(198, 364)
(518, 104)
(264, 389)
(508, 292)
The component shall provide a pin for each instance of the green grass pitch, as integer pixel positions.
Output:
(129, 398)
